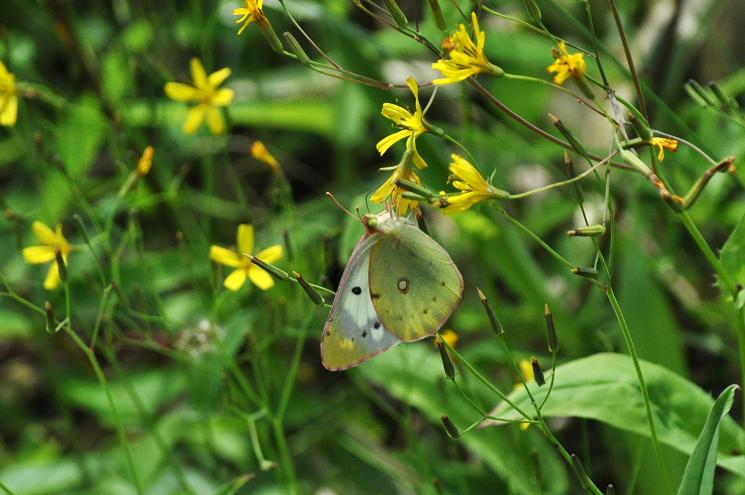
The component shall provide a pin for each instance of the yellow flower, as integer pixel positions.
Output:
(471, 184)
(8, 97)
(251, 12)
(389, 189)
(51, 242)
(449, 336)
(259, 151)
(146, 161)
(466, 58)
(662, 145)
(411, 124)
(206, 94)
(244, 267)
(566, 65)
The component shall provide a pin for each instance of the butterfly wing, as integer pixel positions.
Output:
(414, 284)
(353, 333)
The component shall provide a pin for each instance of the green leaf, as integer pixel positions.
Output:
(604, 387)
(733, 252)
(698, 478)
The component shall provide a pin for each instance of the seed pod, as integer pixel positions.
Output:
(309, 290)
(447, 364)
(296, 49)
(397, 13)
(537, 372)
(450, 427)
(495, 323)
(553, 343)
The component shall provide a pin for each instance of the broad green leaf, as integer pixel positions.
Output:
(604, 387)
(413, 374)
(733, 252)
(699, 474)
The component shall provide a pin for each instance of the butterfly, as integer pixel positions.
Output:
(399, 285)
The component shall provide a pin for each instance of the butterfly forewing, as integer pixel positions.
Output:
(353, 332)
(414, 284)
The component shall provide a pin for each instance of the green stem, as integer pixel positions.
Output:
(284, 455)
(711, 257)
(114, 411)
(640, 377)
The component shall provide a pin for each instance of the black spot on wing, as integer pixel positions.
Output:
(377, 325)
(356, 291)
(364, 334)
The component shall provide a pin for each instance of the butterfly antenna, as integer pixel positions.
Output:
(339, 205)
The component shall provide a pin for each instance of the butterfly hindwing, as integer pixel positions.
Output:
(353, 333)
(414, 284)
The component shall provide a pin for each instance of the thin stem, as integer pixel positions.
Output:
(284, 455)
(533, 236)
(112, 405)
(563, 182)
(640, 377)
(629, 59)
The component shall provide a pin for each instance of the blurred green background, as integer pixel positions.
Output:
(219, 392)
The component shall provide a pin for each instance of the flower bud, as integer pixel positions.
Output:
(553, 342)
(296, 49)
(533, 11)
(587, 231)
(610, 490)
(309, 290)
(61, 268)
(450, 427)
(397, 13)
(567, 134)
(146, 161)
(698, 93)
(495, 323)
(585, 272)
(447, 364)
(537, 372)
(270, 269)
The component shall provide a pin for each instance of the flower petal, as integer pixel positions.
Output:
(9, 112)
(181, 92)
(245, 238)
(215, 122)
(224, 256)
(223, 97)
(260, 278)
(194, 119)
(270, 254)
(218, 77)
(44, 233)
(52, 279)
(235, 280)
(389, 141)
(198, 75)
(38, 254)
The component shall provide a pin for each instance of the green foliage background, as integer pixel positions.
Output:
(218, 392)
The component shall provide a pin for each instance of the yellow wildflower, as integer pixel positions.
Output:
(51, 242)
(146, 161)
(662, 145)
(566, 65)
(251, 12)
(8, 97)
(465, 58)
(412, 124)
(389, 189)
(259, 151)
(449, 336)
(206, 94)
(471, 184)
(244, 267)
